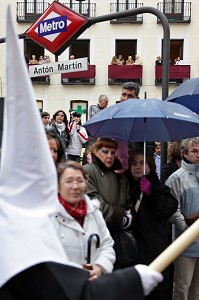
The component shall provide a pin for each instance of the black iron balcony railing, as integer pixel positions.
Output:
(41, 79)
(176, 12)
(177, 74)
(30, 11)
(119, 74)
(118, 7)
(79, 78)
(85, 9)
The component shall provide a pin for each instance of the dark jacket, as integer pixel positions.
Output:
(55, 281)
(167, 169)
(110, 188)
(151, 226)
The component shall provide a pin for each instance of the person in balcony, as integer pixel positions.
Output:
(129, 61)
(114, 60)
(34, 60)
(138, 60)
(120, 60)
(158, 61)
(47, 59)
(179, 61)
(41, 60)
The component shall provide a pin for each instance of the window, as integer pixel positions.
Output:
(30, 48)
(176, 49)
(82, 8)
(40, 104)
(126, 48)
(173, 7)
(80, 48)
(81, 106)
(126, 4)
(35, 6)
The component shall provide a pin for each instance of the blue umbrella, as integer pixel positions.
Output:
(187, 94)
(144, 121)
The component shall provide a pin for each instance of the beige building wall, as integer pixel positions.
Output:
(102, 38)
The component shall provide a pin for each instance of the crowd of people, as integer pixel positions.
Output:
(177, 61)
(112, 181)
(66, 226)
(119, 60)
(42, 60)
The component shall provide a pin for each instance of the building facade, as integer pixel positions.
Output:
(135, 35)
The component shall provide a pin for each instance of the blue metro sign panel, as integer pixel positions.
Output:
(56, 27)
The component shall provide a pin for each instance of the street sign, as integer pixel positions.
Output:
(74, 65)
(55, 29)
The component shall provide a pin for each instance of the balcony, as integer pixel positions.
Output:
(118, 7)
(120, 74)
(30, 11)
(79, 78)
(84, 9)
(177, 74)
(176, 12)
(41, 79)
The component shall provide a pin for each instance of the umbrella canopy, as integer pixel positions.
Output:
(187, 94)
(144, 120)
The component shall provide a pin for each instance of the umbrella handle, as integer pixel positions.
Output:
(89, 245)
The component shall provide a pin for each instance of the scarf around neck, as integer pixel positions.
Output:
(78, 213)
(61, 127)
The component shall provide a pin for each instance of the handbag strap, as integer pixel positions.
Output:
(138, 202)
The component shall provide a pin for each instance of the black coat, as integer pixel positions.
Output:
(151, 226)
(53, 281)
(64, 135)
(167, 169)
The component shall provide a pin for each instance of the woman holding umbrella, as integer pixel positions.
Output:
(79, 220)
(153, 206)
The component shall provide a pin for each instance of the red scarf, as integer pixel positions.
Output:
(78, 213)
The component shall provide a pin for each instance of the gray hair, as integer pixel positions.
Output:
(131, 86)
(102, 97)
(186, 142)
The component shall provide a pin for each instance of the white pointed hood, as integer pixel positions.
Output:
(28, 184)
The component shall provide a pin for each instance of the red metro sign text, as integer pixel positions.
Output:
(57, 27)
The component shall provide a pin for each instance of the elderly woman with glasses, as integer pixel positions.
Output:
(79, 223)
(109, 187)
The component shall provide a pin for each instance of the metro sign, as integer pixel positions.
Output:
(57, 27)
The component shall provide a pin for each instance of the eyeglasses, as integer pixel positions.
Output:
(194, 152)
(79, 182)
(106, 151)
(128, 95)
